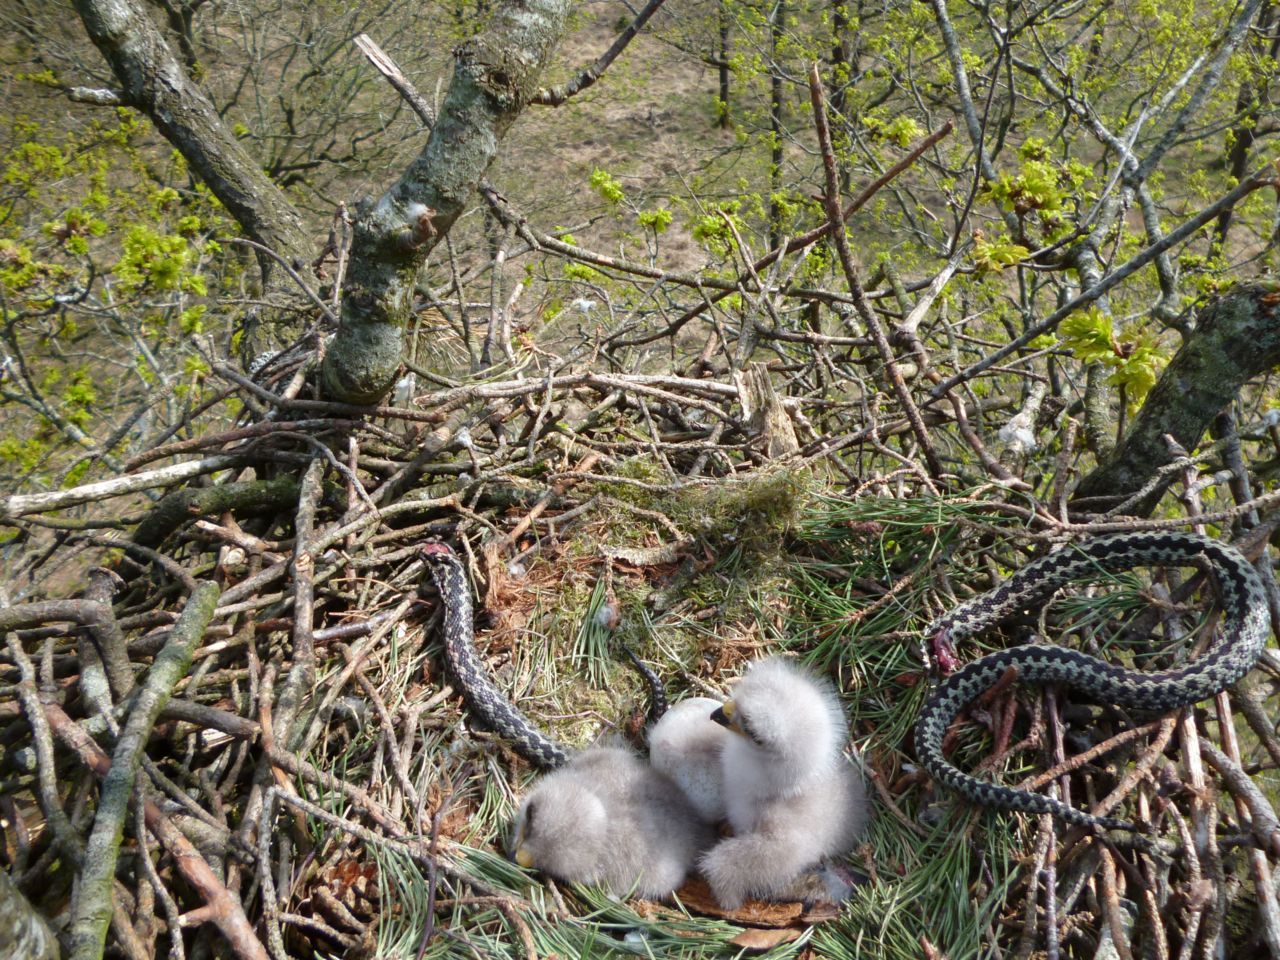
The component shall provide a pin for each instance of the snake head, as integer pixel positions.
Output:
(943, 652)
(434, 548)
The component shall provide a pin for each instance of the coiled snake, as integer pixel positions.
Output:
(1239, 644)
(486, 700)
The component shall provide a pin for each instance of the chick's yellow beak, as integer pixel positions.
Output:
(524, 857)
(724, 715)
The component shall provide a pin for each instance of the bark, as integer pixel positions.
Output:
(91, 896)
(222, 908)
(586, 77)
(1236, 338)
(1248, 109)
(777, 23)
(154, 81)
(722, 17)
(20, 505)
(495, 75)
(24, 935)
(176, 508)
(842, 39)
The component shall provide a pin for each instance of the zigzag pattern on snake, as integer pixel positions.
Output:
(485, 699)
(1239, 643)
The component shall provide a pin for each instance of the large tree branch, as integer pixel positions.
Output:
(91, 897)
(495, 75)
(154, 81)
(1236, 338)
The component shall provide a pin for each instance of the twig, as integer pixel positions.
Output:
(388, 728)
(301, 677)
(700, 282)
(224, 910)
(1045, 836)
(250, 431)
(1111, 908)
(557, 490)
(21, 504)
(389, 69)
(1198, 897)
(168, 904)
(1078, 760)
(1050, 874)
(1263, 178)
(1263, 821)
(433, 850)
(555, 96)
(835, 219)
(66, 838)
(1139, 770)
(398, 842)
(270, 896)
(290, 270)
(1259, 810)
(1249, 701)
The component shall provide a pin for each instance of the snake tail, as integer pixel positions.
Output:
(658, 703)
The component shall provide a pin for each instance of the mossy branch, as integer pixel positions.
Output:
(181, 505)
(1237, 337)
(92, 898)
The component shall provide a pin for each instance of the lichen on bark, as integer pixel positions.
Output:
(1236, 338)
(495, 74)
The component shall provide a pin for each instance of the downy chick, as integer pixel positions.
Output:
(608, 818)
(685, 744)
(791, 796)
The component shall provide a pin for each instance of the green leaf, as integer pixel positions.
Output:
(990, 256)
(607, 186)
(1089, 337)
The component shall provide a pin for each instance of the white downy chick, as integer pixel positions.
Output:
(685, 744)
(608, 818)
(792, 797)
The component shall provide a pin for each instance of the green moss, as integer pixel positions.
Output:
(756, 511)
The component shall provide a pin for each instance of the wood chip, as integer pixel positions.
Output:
(697, 897)
(764, 939)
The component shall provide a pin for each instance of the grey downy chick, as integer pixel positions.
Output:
(685, 744)
(608, 818)
(792, 797)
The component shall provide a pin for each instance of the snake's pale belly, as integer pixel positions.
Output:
(1240, 642)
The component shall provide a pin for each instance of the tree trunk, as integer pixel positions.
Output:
(722, 14)
(1236, 338)
(777, 25)
(841, 50)
(155, 82)
(1244, 131)
(495, 74)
